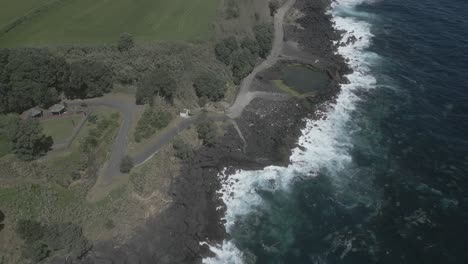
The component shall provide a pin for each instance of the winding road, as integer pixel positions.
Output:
(129, 110)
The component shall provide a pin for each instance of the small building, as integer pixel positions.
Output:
(185, 113)
(35, 112)
(57, 109)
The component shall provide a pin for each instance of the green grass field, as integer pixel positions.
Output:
(61, 128)
(102, 21)
(11, 10)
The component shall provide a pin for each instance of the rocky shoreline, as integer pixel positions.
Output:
(270, 129)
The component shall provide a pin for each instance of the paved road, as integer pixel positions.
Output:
(245, 96)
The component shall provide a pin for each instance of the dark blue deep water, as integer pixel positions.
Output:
(403, 197)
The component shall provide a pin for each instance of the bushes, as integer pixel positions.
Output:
(150, 122)
(207, 132)
(225, 49)
(29, 142)
(88, 79)
(158, 82)
(183, 150)
(243, 63)
(273, 5)
(264, 36)
(125, 42)
(126, 164)
(232, 9)
(30, 77)
(41, 240)
(210, 86)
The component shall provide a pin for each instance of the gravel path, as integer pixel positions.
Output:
(245, 96)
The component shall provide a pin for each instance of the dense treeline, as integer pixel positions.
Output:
(35, 77)
(243, 56)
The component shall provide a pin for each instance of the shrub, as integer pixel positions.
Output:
(243, 63)
(183, 150)
(225, 48)
(36, 251)
(126, 164)
(207, 132)
(232, 9)
(29, 142)
(273, 5)
(2, 217)
(209, 85)
(125, 42)
(264, 36)
(29, 230)
(88, 79)
(150, 122)
(158, 82)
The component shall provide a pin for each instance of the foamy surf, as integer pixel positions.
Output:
(325, 142)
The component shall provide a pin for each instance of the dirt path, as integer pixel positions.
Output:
(245, 96)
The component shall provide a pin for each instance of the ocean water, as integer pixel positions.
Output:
(384, 177)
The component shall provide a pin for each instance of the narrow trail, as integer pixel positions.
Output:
(245, 96)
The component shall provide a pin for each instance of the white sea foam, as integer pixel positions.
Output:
(325, 142)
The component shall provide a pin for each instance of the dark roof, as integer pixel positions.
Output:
(56, 108)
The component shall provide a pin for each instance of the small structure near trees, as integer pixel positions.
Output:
(36, 112)
(185, 113)
(57, 109)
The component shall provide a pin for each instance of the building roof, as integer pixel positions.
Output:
(56, 108)
(35, 111)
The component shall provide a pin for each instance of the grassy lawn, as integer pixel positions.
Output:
(102, 21)
(10, 10)
(61, 128)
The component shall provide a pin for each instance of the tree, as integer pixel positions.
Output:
(251, 45)
(88, 79)
(158, 82)
(243, 62)
(30, 77)
(125, 42)
(225, 48)
(273, 5)
(36, 251)
(207, 132)
(264, 36)
(151, 121)
(29, 230)
(232, 9)
(126, 164)
(209, 85)
(29, 142)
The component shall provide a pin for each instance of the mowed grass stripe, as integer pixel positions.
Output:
(102, 21)
(13, 9)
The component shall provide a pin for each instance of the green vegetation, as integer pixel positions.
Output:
(125, 42)
(61, 128)
(264, 37)
(2, 217)
(29, 142)
(183, 150)
(207, 132)
(30, 77)
(150, 122)
(273, 5)
(88, 79)
(126, 164)
(242, 58)
(232, 9)
(210, 85)
(8, 124)
(158, 82)
(12, 10)
(102, 21)
(42, 239)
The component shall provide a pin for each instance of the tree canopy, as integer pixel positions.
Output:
(125, 42)
(88, 79)
(29, 142)
(209, 85)
(225, 48)
(30, 77)
(157, 82)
